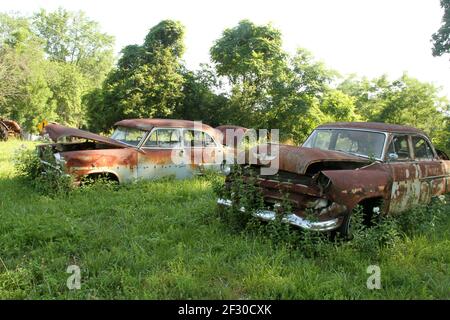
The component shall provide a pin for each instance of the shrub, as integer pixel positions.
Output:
(368, 240)
(45, 176)
(385, 231)
(424, 218)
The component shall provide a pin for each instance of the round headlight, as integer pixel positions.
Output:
(226, 169)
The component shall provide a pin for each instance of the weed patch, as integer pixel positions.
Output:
(43, 173)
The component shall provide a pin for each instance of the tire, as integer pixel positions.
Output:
(3, 134)
(345, 229)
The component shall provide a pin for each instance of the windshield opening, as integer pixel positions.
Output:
(129, 136)
(356, 142)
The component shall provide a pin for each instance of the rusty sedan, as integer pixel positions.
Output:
(137, 149)
(384, 168)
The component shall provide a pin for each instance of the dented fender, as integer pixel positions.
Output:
(350, 187)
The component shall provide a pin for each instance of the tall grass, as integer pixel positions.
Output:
(165, 240)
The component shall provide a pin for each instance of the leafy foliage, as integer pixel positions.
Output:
(73, 38)
(148, 81)
(48, 62)
(53, 64)
(441, 39)
(46, 177)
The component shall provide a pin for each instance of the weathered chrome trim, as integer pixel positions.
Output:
(269, 215)
(46, 163)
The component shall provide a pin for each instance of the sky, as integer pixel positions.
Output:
(365, 37)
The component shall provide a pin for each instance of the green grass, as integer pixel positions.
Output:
(163, 240)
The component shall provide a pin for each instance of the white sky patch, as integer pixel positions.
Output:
(366, 37)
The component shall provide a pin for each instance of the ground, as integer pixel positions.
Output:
(162, 240)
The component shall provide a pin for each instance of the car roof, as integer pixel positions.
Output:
(149, 124)
(376, 126)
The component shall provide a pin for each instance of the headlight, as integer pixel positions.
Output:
(59, 159)
(226, 169)
(320, 203)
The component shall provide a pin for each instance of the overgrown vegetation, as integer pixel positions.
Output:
(44, 174)
(370, 240)
(164, 240)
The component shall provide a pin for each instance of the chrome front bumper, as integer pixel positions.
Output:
(269, 215)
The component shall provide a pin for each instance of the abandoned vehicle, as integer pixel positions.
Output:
(137, 149)
(9, 128)
(384, 168)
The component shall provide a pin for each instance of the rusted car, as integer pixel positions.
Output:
(9, 128)
(384, 168)
(138, 149)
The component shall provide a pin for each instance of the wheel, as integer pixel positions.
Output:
(3, 134)
(345, 229)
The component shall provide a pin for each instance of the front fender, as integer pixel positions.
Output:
(350, 187)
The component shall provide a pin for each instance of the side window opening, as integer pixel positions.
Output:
(400, 147)
(164, 138)
(194, 138)
(422, 150)
(208, 141)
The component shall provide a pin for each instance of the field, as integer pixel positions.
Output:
(164, 240)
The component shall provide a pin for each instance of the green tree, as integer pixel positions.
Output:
(409, 101)
(73, 38)
(251, 58)
(47, 63)
(148, 81)
(367, 94)
(270, 90)
(24, 92)
(68, 86)
(441, 39)
(29, 101)
(299, 95)
(405, 101)
(339, 106)
(201, 99)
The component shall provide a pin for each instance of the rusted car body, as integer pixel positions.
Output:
(138, 149)
(9, 128)
(384, 168)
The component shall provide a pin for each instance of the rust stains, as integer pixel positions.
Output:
(9, 128)
(300, 159)
(56, 131)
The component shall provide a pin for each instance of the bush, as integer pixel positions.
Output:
(246, 195)
(423, 219)
(367, 240)
(46, 177)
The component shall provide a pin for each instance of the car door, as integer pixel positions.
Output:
(161, 155)
(432, 170)
(201, 151)
(405, 192)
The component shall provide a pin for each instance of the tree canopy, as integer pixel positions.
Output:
(48, 62)
(441, 39)
(58, 66)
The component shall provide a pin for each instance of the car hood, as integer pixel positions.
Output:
(298, 159)
(56, 131)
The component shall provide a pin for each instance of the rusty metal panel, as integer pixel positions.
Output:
(56, 131)
(121, 162)
(298, 159)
